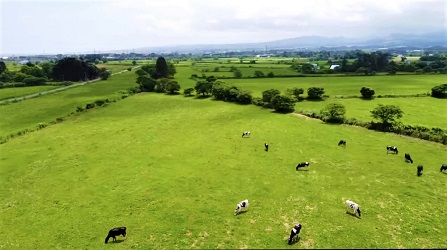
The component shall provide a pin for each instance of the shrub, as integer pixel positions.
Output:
(99, 103)
(295, 92)
(135, 90)
(334, 113)
(34, 81)
(283, 103)
(267, 95)
(367, 92)
(89, 106)
(244, 97)
(237, 73)
(315, 93)
(259, 73)
(231, 93)
(439, 91)
(387, 113)
(79, 109)
(257, 101)
(172, 87)
(188, 91)
(41, 125)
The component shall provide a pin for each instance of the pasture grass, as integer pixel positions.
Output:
(346, 86)
(6, 93)
(27, 114)
(114, 67)
(425, 111)
(172, 169)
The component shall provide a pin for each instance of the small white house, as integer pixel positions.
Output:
(334, 66)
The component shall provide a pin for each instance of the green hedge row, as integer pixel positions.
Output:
(430, 134)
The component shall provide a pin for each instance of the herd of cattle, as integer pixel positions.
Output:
(243, 205)
(419, 168)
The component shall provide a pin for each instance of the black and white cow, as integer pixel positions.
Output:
(295, 231)
(342, 143)
(408, 158)
(115, 232)
(266, 147)
(392, 149)
(420, 168)
(241, 206)
(246, 133)
(302, 165)
(443, 167)
(352, 206)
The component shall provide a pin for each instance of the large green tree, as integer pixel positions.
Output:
(203, 87)
(172, 87)
(2, 67)
(73, 69)
(387, 113)
(161, 68)
(47, 69)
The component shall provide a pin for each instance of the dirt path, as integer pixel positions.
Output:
(306, 117)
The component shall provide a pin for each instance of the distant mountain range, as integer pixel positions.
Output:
(433, 39)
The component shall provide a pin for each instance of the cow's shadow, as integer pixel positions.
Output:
(302, 169)
(117, 241)
(445, 172)
(353, 214)
(295, 240)
(242, 212)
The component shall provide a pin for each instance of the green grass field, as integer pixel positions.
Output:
(172, 169)
(425, 111)
(27, 114)
(6, 93)
(346, 86)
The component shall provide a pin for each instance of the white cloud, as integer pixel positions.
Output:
(115, 24)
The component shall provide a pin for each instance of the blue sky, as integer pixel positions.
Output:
(37, 27)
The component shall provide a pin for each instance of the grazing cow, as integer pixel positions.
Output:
(350, 205)
(408, 158)
(241, 206)
(420, 168)
(116, 232)
(342, 143)
(246, 133)
(302, 165)
(295, 231)
(392, 149)
(443, 167)
(266, 147)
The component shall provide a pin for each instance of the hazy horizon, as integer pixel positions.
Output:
(53, 27)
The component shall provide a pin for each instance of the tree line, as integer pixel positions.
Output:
(65, 70)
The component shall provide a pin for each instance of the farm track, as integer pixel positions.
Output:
(21, 98)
